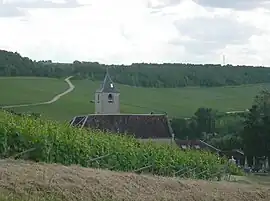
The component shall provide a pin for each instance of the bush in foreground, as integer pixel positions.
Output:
(52, 142)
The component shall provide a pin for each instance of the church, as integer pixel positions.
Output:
(108, 117)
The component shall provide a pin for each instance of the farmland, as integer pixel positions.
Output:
(178, 102)
(19, 90)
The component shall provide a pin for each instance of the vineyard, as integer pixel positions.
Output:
(51, 142)
(176, 102)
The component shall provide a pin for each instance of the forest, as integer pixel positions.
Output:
(138, 74)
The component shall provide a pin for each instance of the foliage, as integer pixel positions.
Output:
(206, 120)
(138, 74)
(228, 132)
(227, 142)
(58, 143)
(200, 125)
(234, 170)
(184, 128)
(256, 134)
(231, 124)
(203, 122)
(219, 129)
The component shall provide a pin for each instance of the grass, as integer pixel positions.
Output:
(27, 181)
(178, 102)
(19, 90)
(253, 179)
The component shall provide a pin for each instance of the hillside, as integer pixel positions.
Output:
(23, 90)
(145, 75)
(176, 102)
(32, 181)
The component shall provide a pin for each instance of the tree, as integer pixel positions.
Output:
(203, 122)
(185, 128)
(138, 74)
(227, 142)
(206, 120)
(256, 134)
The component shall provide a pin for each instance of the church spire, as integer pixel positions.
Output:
(107, 85)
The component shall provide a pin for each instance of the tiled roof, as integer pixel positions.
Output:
(107, 85)
(140, 125)
(195, 144)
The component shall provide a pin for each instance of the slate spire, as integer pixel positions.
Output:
(107, 85)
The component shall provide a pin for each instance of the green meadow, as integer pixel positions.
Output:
(176, 102)
(20, 90)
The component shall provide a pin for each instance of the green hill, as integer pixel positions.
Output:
(22, 90)
(178, 102)
(144, 87)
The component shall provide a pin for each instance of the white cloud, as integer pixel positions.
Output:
(42, 3)
(126, 31)
(234, 4)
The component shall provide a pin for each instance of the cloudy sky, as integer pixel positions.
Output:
(128, 31)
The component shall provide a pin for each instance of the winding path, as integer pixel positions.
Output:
(56, 98)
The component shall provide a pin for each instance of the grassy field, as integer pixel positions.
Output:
(19, 90)
(181, 102)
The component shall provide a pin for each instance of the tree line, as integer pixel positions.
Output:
(248, 131)
(138, 74)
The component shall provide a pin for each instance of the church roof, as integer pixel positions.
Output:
(143, 126)
(107, 85)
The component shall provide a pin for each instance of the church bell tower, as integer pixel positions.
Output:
(107, 97)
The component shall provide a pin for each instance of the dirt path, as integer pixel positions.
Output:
(56, 98)
(19, 178)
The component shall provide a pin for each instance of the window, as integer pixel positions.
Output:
(110, 98)
(111, 85)
(98, 98)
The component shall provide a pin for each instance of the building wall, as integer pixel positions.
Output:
(103, 106)
(98, 104)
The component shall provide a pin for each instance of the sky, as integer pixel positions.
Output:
(135, 31)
